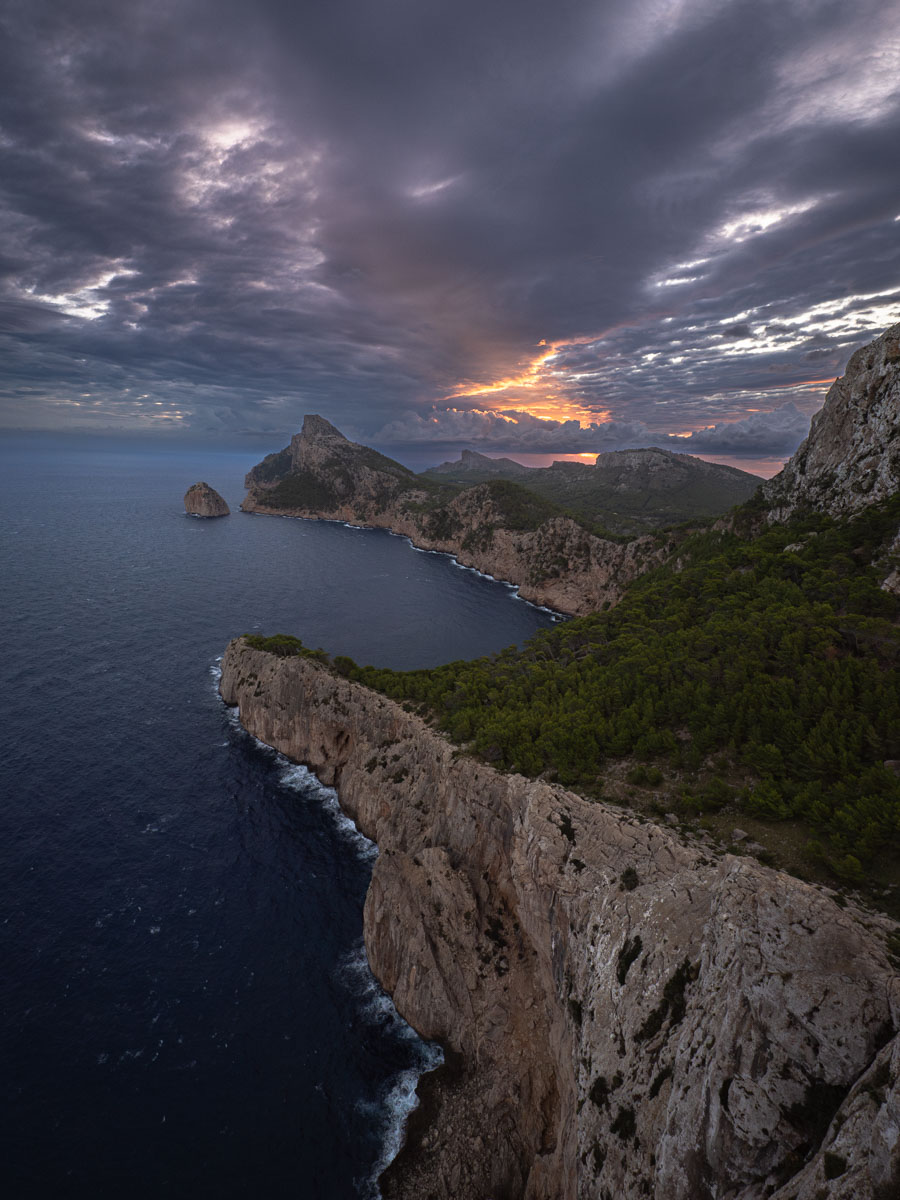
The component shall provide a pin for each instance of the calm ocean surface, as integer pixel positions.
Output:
(186, 1008)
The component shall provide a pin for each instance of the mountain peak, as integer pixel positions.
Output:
(316, 428)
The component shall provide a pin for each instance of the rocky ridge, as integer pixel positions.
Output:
(200, 500)
(630, 1014)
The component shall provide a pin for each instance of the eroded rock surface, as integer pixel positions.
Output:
(630, 1017)
(851, 458)
(200, 500)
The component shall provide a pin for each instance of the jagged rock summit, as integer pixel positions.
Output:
(851, 458)
(201, 500)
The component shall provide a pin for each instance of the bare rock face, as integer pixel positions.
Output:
(201, 500)
(629, 1015)
(851, 458)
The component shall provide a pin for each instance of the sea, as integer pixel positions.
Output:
(187, 1009)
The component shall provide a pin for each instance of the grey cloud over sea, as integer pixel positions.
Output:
(215, 217)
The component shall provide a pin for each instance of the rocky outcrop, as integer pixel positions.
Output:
(851, 458)
(559, 563)
(200, 500)
(629, 1016)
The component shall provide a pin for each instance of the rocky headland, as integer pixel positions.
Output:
(851, 458)
(200, 500)
(627, 1011)
(493, 527)
(626, 1014)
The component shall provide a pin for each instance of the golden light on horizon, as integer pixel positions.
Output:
(530, 377)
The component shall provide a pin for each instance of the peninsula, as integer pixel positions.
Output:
(628, 1007)
(517, 525)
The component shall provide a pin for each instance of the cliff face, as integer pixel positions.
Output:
(851, 458)
(632, 1016)
(558, 564)
(200, 500)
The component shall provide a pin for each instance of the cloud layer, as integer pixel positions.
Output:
(761, 434)
(217, 216)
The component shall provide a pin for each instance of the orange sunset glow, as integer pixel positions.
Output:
(535, 390)
(547, 407)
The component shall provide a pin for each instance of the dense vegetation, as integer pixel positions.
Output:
(272, 467)
(301, 490)
(284, 645)
(759, 673)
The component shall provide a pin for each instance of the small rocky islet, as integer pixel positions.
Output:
(201, 500)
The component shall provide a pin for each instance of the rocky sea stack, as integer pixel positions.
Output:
(201, 500)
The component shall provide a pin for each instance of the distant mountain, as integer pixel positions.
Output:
(322, 473)
(473, 467)
(538, 527)
(626, 491)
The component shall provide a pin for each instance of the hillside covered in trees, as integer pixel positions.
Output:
(762, 674)
(751, 670)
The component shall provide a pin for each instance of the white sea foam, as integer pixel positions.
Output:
(399, 1098)
(294, 775)
(376, 1007)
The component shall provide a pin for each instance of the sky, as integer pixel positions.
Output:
(551, 229)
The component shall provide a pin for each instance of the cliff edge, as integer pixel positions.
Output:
(631, 1016)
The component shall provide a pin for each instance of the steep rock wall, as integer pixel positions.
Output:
(851, 458)
(628, 1017)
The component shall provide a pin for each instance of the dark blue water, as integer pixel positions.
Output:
(186, 1009)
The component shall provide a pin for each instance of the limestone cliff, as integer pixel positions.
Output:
(553, 559)
(629, 1015)
(851, 458)
(200, 500)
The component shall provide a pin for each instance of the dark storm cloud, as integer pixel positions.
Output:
(223, 215)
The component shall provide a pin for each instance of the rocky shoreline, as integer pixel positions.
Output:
(624, 1014)
(558, 566)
